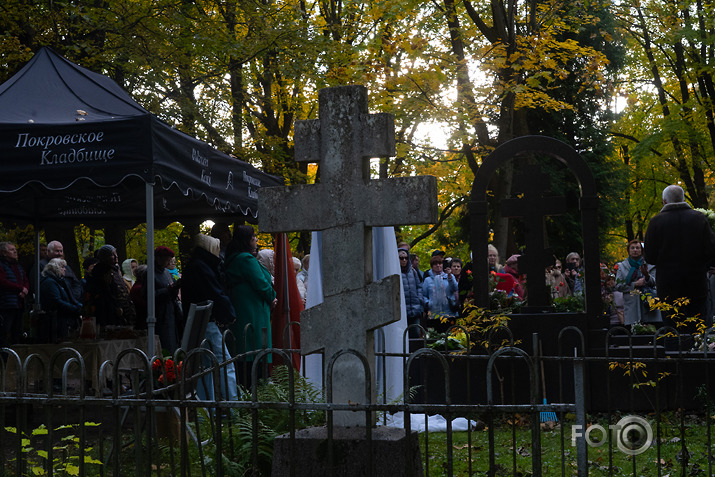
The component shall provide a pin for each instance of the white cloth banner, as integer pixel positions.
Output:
(385, 263)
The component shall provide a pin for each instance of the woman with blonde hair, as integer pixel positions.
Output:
(493, 259)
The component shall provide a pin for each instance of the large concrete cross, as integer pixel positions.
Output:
(345, 205)
(534, 207)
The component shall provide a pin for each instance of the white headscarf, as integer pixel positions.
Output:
(265, 257)
(127, 273)
(210, 244)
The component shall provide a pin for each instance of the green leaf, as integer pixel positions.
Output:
(72, 469)
(38, 470)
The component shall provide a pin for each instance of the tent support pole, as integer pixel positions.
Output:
(150, 284)
(36, 265)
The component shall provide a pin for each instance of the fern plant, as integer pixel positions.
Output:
(237, 436)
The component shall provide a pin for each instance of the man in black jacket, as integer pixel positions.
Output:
(680, 242)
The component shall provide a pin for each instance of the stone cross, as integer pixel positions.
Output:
(534, 207)
(345, 205)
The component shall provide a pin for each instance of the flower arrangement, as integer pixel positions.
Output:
(569, 304)
(710, 216)
(704, 342)
(500, 300)
(643, 329)
(446, 341)
(165, 373)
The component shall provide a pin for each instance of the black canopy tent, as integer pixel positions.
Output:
(75, 147)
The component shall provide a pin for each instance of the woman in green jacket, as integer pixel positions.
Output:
(251, 292)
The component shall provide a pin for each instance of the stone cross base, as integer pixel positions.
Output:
(351, 454)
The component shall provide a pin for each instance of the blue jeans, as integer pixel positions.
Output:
(228, 387)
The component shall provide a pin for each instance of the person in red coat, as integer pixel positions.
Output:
(511, 269)
(14, 286)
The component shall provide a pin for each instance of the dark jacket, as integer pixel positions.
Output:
(56, 299)
(12, 280)
(54, 296)
(166, 294)
(680, 242)
(200, 282)
(75, 285)
(138, 296)
(99, 300)
(121, 295)
(414, 301)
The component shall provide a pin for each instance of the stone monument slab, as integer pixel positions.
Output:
(393, 453)
(345, 204)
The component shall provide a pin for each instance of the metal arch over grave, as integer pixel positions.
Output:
(533, 210)
(345, 205)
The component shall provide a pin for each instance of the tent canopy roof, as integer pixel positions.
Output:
(75, 146)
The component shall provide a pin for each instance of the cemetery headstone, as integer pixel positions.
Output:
(345, 205)
(540, 206)
(534, 206)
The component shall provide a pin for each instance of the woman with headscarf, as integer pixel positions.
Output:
(301, 285)
(99, 301)
(58, 302)
(266, 257)
(119, 295)
(129, 267)
(251, 293)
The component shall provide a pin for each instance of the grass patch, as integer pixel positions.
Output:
(513, 450)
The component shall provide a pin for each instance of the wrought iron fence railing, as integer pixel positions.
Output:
(505, 412)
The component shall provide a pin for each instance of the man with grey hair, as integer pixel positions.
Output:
(73, 282)
(680, 242)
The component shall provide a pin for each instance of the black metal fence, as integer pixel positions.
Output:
(636, 410)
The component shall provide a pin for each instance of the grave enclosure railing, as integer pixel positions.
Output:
(526, 414)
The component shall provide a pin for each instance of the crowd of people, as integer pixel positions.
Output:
(679, 243)
(227, 269)
(436, 296)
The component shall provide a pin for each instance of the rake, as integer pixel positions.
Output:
(545, 416)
